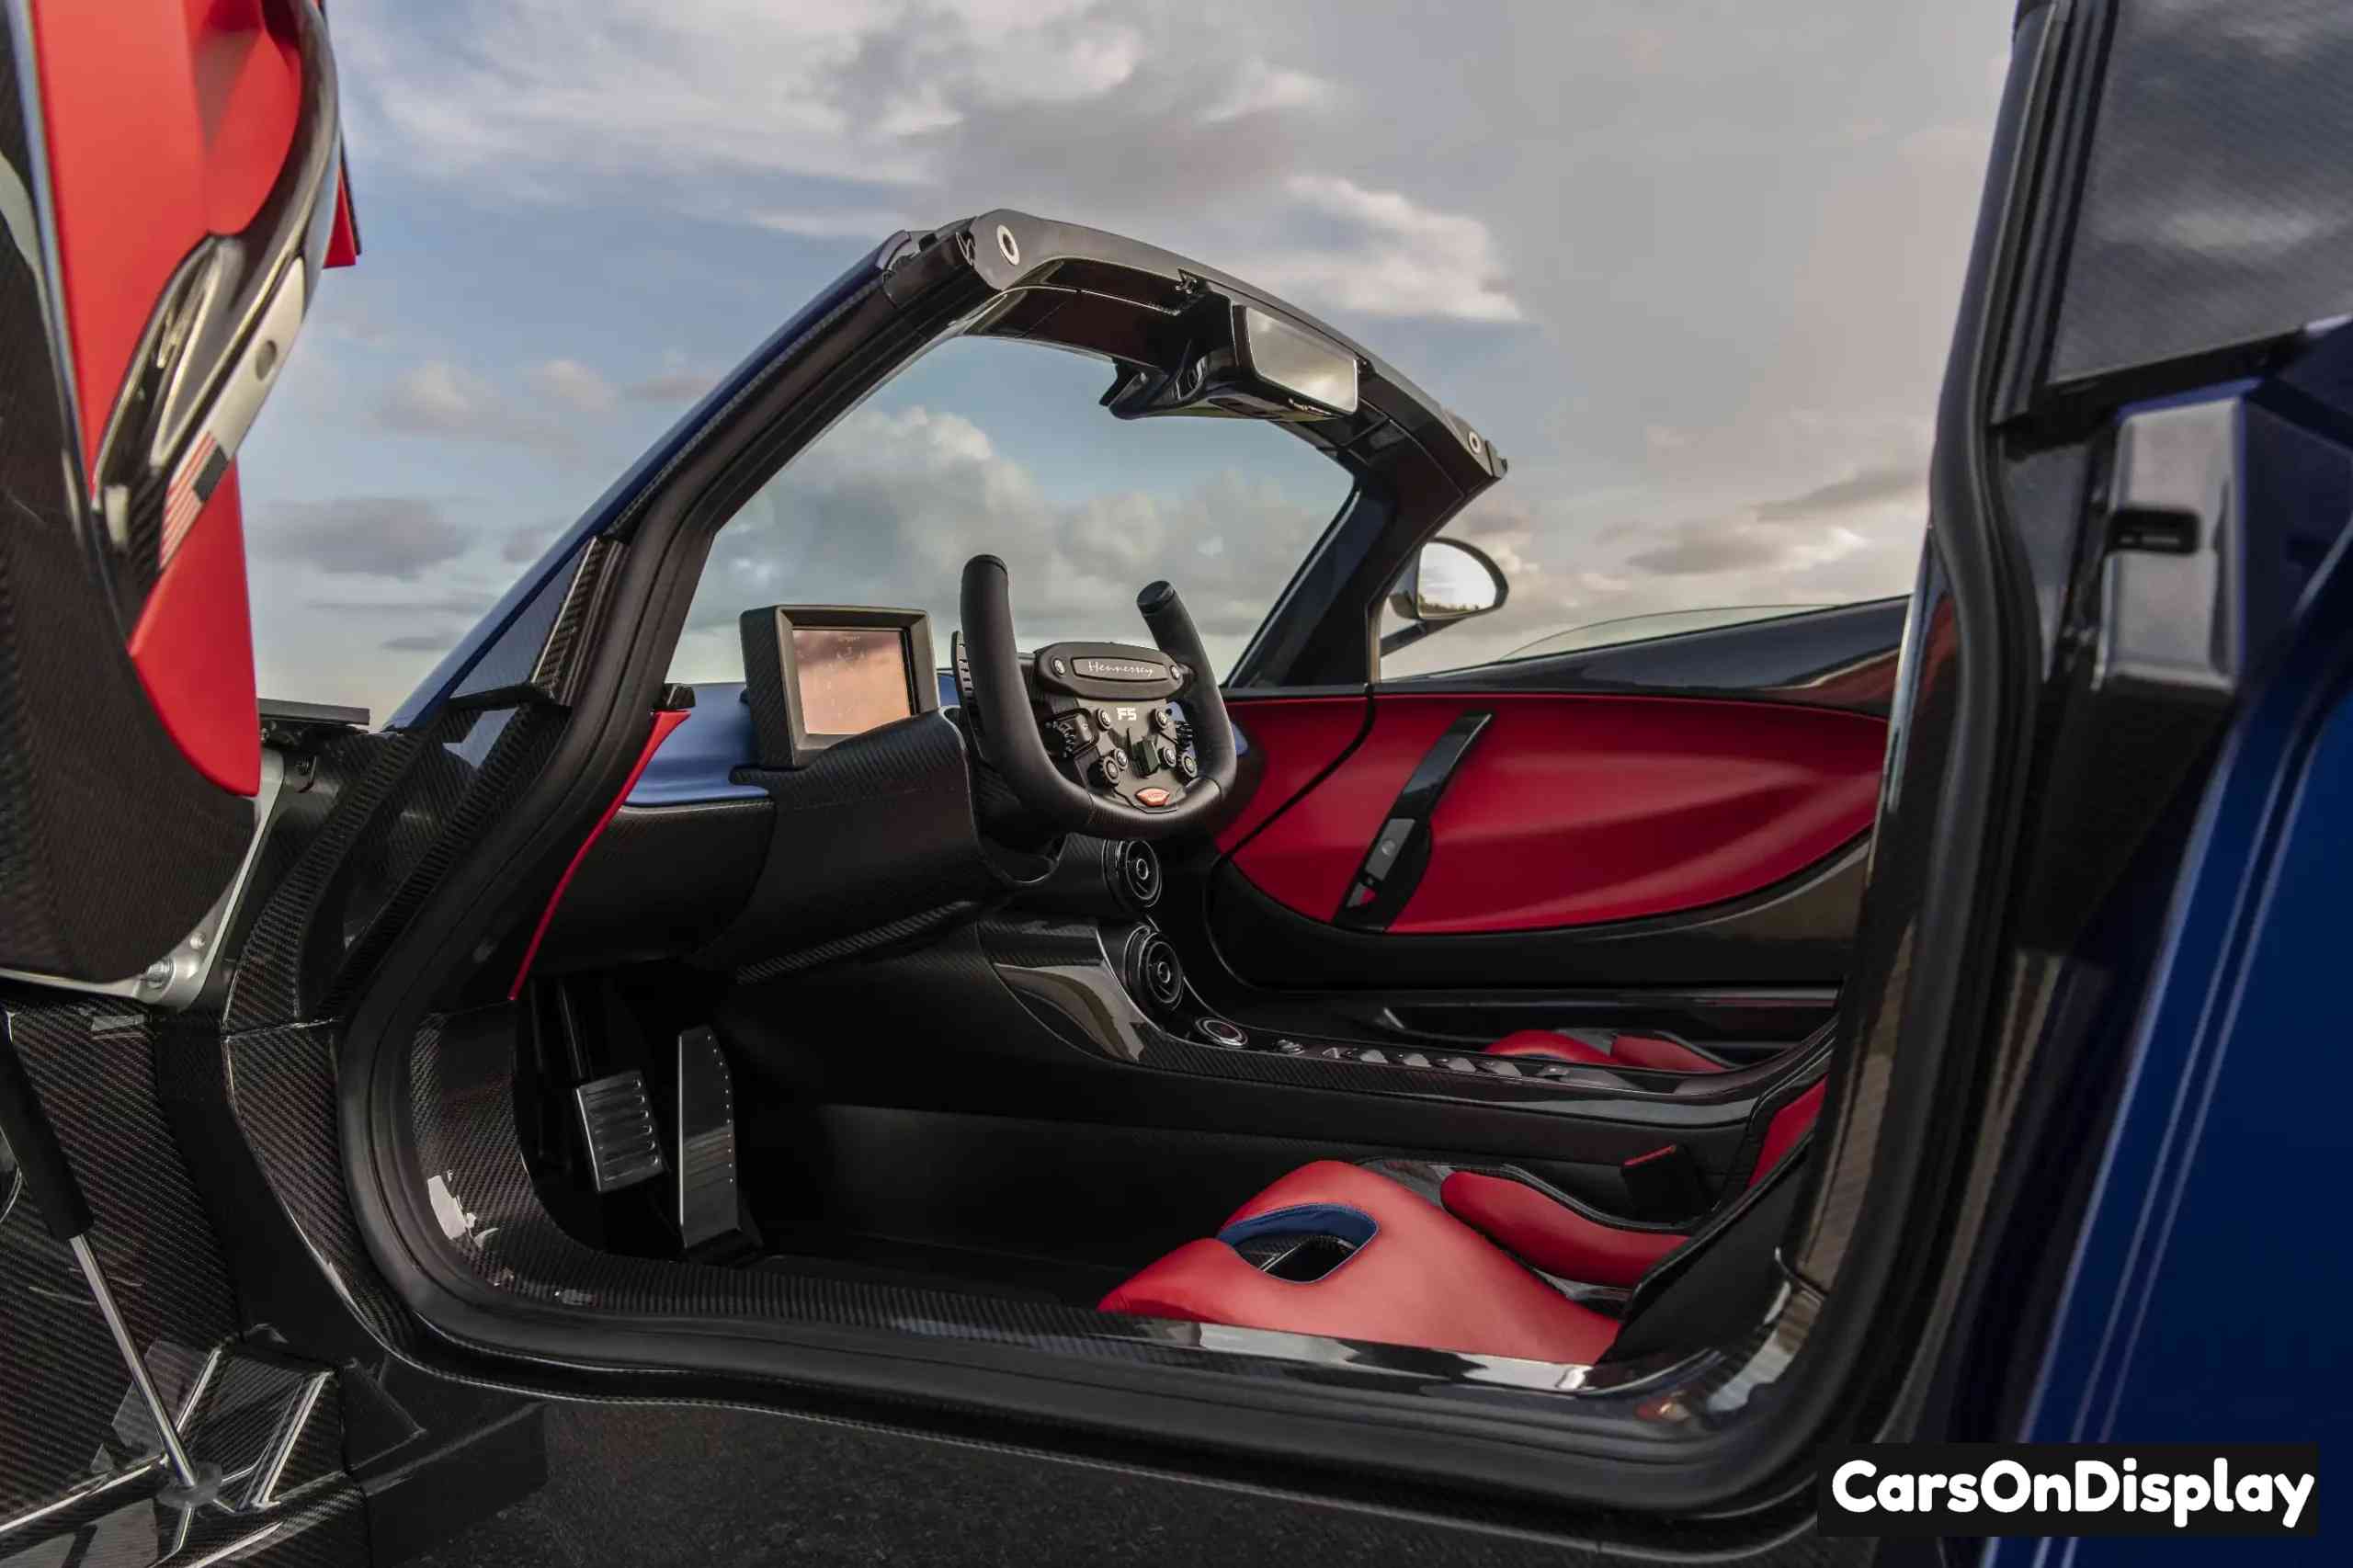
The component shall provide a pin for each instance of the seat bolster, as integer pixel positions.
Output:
(1551, 1235)
(1651, 1051)
(1544, 1042)
(1423, 1279)
(1790, 1124)
(1660, 1054)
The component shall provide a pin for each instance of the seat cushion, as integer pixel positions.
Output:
(1417, 1276)
(1625, 1051)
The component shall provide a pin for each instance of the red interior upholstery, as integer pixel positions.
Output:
(1544, 1042)
(1449, 1278)
(1651, 1050)
(1424, 1278)
(1626, 1050)
(1790, 1124)
(1576, 809)
(1294, 738)
(1552, 1236)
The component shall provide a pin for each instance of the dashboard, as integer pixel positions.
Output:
(849, 786)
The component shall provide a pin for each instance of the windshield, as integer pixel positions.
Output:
(999, 447)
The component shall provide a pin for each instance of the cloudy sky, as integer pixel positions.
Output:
(1690, 263)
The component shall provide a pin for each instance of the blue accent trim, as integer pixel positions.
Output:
(610, 507)
(1353, 1226)
(694, 764)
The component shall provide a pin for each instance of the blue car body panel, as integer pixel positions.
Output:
(2206, 1298)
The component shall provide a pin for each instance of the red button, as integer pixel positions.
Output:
(1154, 796)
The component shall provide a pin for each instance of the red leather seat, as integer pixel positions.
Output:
(1450, 1268)
(1416, 1276)
(1624, 1051)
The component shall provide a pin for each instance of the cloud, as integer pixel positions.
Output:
(852, 119)
(1260, 87)
(679, 381)
(1789, 534)
(886, 509)
(1740, 228)
(571, 384)
(471, 604)
(401, 537)
(440, 399)
(1862, 488)
(1393, 257)
(870, 225)
(420, 642)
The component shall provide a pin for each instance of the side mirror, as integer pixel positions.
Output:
(1448, 581)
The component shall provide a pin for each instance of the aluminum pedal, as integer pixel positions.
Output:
(707, 1206)
(616, 1122)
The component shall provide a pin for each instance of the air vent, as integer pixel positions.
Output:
(1139, 874)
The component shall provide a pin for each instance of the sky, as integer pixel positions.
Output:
(1692, 265)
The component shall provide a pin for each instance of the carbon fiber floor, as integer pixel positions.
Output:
(713, 1488)
(972, 1270)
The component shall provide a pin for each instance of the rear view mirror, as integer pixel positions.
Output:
(1449, 581)
(1295, 362)
(1244, 363)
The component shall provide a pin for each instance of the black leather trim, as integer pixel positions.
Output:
(1400, 851)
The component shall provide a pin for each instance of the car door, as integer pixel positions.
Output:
(1659, 826)
(1525, 841)
(170, 186)
(170, 191)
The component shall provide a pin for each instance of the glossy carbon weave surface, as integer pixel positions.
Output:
(82, 751)
(1060, 972)
(91, 1063)
(80, 1475)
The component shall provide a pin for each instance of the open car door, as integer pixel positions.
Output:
(170, 185)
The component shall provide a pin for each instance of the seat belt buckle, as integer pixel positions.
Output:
(1665, 1184)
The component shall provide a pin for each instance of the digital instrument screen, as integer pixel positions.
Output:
(851, 678)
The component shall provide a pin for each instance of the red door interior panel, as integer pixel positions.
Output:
(1305, 857)
(1573, 810)
(215, 95)
(1295, 739)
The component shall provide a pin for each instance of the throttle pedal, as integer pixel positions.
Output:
(708, 1211)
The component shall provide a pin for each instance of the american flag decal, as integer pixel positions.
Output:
(193, 485)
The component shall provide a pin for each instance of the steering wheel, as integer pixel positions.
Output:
(1088, 736)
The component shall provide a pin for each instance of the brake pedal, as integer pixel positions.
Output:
(708, 1210)
(616, 1122)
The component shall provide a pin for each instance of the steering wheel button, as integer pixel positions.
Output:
(1155, 796)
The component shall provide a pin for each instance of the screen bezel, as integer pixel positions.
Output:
(769, 656)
